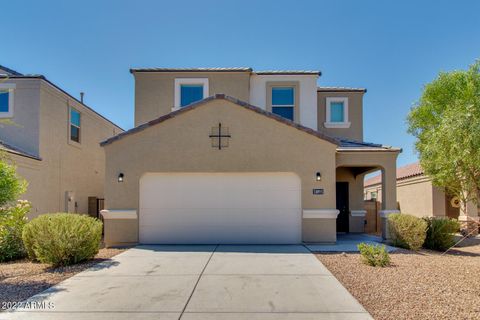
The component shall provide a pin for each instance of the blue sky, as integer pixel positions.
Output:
(392, 48)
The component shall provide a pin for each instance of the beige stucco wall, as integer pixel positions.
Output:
(355, 114)
(439, 207)
(155, 91)
(67, 166)
(417, 196)
(64, 166)
(24, 133)
(30, 170)
(258, 144)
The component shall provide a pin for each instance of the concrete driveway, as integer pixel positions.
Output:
(200, 282)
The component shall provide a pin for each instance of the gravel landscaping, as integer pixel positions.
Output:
(22, 279)
(418, 285)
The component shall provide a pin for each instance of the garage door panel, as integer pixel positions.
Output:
(203, 235)
(221, 217)
(194, 200)
(220, 208)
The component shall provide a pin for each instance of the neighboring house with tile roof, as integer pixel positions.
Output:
(53, 139)
(234, 155)
(415, 193)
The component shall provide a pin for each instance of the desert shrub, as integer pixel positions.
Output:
(12, 221)
(374, 255)
(62, 239)
(440, 233)
(407, 231)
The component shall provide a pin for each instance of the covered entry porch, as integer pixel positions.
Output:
(353, 162)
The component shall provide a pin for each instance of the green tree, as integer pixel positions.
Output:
(446, 124)
(11, 185)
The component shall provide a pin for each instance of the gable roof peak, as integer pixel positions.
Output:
(233, 100)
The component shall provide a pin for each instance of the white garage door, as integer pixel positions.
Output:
(210, 208)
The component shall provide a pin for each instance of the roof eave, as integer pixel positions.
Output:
(184, 70)
(369, 149)
(42, 77)
(363, 90)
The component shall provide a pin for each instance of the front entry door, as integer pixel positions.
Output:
(342, 206)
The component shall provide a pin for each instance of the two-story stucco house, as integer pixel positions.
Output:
(233, 155)
(54, 141)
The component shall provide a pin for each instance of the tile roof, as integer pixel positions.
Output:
(353, 145)
(228, 98)
(14, 150)
(340, 89)
(234, 69)
(292, 72)
(407, 171)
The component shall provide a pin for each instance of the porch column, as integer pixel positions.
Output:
(389, 196)
(469, 218)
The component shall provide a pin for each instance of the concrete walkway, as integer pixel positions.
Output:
(200, 282)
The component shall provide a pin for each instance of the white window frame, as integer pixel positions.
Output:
(178, 85)
(345, 123)
(10, 87)
(73, 142)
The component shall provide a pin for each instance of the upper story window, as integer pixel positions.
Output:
(283, 102)
(189, 90)
(282, 99)
(75, 124)
(337, 113)
(6, 100)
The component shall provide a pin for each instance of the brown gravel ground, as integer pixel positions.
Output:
(22, 279)
(423, 285)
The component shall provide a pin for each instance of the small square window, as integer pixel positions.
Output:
(337, 112)
(4, 100)
(283, 102)
(190, 93)
(75, 125)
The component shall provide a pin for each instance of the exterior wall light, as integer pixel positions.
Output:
(318, 176)
(120, 177)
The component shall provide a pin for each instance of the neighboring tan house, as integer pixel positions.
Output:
(415, 194)
(54, 141)
(232, 155)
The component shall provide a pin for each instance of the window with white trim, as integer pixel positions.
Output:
(75, 125)
(337, 113)
(189, 90)
(6, 100)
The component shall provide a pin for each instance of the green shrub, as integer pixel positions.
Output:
(440, 233)
(12, 221)
(62, 239)
(374, 255)
(407, 231)
(11, 186)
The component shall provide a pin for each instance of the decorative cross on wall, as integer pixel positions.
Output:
(220, 136)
